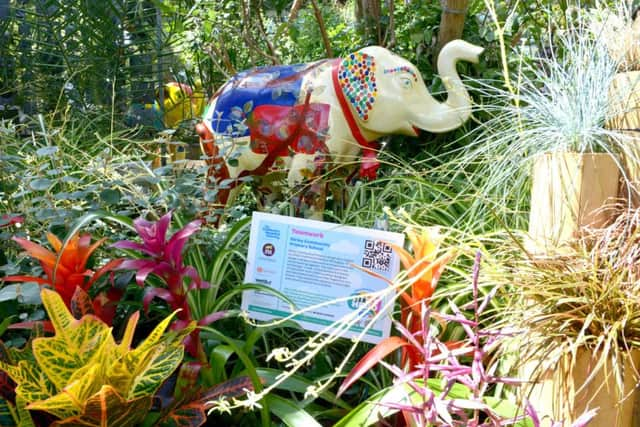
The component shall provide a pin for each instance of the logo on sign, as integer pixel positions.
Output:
(268, 249)
(361, 300)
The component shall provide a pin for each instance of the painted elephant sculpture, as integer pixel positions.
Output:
(293, 124)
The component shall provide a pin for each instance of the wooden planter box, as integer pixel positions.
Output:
(568, 193)
(625, 108)
(564, 392)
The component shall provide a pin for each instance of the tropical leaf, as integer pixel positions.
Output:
(75, 344)
(161, 363)
(33, 385)
(24, 416)
(69, 402)
(189, 415)
(372, 358)
(232, 388)
(7, 417)
(108, 408)
(290, 413)
(81, 376)
(190, 411)
(141, 371)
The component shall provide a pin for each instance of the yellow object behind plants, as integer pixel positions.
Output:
(84, 378)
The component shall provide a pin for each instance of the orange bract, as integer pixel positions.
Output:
(422, 267)
(66, 267)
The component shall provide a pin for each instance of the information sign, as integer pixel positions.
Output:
(312, 262)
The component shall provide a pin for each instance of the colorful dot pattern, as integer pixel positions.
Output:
(402, 69)
(358, 82)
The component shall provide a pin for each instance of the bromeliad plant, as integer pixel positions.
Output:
(445, 389)
(164, 259)
(67, 273)
(423, 270)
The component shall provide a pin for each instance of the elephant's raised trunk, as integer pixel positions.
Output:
(452, 113)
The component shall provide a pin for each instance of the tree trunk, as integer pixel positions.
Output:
(367, 14)
(451, 23)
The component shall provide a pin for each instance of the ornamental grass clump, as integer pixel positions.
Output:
(588, 298)
(558, 101)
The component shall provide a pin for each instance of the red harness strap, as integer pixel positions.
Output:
(370, 164)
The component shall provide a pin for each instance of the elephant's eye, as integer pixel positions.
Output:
(406, 82)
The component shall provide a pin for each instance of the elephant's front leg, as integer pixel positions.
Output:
(308, 184)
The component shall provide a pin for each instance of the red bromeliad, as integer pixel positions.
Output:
(424, 271)
(66, 272)
(165, 260)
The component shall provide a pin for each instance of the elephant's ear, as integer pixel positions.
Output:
(357, 76)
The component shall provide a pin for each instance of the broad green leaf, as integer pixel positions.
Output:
(110, 196)
(298, 384)
(46, 151)
(40, 184)
(290, 413)
(25, 293)
(374, 409)
(108, 408)
(507, 409)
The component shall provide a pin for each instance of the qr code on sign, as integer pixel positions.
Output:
(377, 255)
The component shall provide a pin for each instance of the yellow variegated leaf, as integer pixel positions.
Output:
(23, 413)
(107, 408)
(155, 335)
(32, 383)
(57, 311)
(162, 362)
(136, 372)
(127, 337)
(13, 371)
(63, 355)
(70, 400)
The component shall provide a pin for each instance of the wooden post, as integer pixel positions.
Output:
(570, 387)
(568, 193)
(451, 23)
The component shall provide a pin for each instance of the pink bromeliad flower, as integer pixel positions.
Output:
(165, 260)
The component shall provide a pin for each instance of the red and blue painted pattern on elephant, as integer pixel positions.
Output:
(263, 105)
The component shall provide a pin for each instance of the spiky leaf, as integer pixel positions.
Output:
(107, 408)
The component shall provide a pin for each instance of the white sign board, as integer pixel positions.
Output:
(311, 262)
